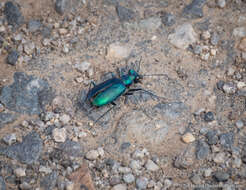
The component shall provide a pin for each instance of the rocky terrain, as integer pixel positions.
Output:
(192, 137)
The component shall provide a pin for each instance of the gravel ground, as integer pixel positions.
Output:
(192, 137)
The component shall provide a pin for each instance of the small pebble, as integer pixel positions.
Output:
(167, 183)
(206, 35)
(221, 3)
(100, 152)
(237, 162)
(120, 187)
(9, 139)
(142, 182)
(219, 158)
(65, 48)
(188, 138)
(59, 135)
(239, 32)
(25, 186)
(207, 172)
(241, 85)
(20, 172)
(140, 153)
(151, 166)
(79, 79)
(124, 170)
(45, 170)
(168, 19)
(129, 178)
(221, 176)
(13, 57)
(212, 137)
(195, 179)
(213, 52)
(46, 42)
(209, 116)
(65, 119)
(29, 48)
(2, 29)
(92, 155)
(69, 185)
(82, 67)
(135, 165)
(214, 39)
(239, 124)
(34, 25)
(63, 31)
(118, 51)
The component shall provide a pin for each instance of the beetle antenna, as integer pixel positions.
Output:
(149, 75)
(139, 63)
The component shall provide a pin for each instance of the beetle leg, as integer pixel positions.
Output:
(114, 104)
(146, 91)
(93, 83)
(128, 94)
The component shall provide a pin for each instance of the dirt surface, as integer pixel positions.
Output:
(187, 86)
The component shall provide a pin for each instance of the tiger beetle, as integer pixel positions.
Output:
(108, 91)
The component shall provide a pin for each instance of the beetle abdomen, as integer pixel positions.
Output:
(109, 94)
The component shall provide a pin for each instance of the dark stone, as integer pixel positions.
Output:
(12, 57)
(208, 116)
(27, 94)
(220, 84)
(124, 13)
(168, 19)
(212, 137)
(125, 145)
(214, 39)
(49, 181)
(6, 118)
(65, 6)
(110, 162)
(46, 31)
(221, 176)
(203, 25)
(72, 148)
(28, 151)
(13, 14)
(34, 25)
(194, 9)
(202, 150)
(227, 139)
(10, 179)
(61, 6)
(114, 180)
(2, 184)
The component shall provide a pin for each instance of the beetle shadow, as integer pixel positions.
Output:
(91, 112)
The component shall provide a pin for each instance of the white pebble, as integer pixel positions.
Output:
(221, 3)
(100, 151)
(151, 166)
(241, 85)
(9, 139)
(120, 187)
(118, 51)
(59, 135)
(65, 119)
(20, 172)
(92, 155)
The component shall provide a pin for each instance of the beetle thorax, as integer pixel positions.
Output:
(127, 79)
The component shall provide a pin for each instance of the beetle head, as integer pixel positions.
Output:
(136, 77)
